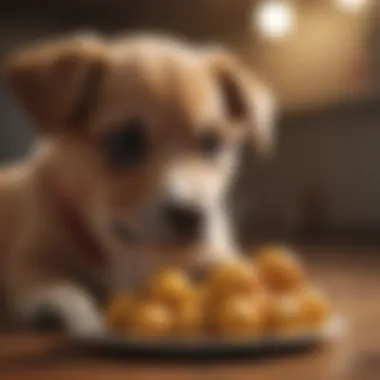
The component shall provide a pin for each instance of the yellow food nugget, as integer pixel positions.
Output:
(151, 320)
(314, 307)
(119, 311)
(280, 270)
(286, 314)
(230, 278)
(189, 319)
(238, 317)
(265, 303)
(170, 286)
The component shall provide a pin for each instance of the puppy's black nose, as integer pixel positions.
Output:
(185, 220)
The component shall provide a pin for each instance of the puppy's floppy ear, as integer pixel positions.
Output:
(56, 83)
(247, 99)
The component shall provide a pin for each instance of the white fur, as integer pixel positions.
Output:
(74, 306)
(264, 111)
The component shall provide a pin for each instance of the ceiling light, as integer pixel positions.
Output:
(274, 18)
(352, 5)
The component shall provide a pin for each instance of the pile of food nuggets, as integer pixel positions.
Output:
(267, 294)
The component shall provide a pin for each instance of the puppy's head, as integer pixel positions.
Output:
(145, 131)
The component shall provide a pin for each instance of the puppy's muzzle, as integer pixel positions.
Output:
(184, 220)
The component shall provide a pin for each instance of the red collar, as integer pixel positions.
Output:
(76, 225)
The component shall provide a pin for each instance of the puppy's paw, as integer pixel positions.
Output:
(64, 305)
(88, 322)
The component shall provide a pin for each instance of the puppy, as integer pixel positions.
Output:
(139, 138)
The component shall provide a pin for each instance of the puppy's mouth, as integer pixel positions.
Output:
(162, 236)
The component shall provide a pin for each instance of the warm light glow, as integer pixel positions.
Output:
(352, 5)
(274, 18)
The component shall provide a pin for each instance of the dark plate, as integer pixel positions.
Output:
(214, 348)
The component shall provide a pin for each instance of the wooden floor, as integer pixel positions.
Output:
(351, 276)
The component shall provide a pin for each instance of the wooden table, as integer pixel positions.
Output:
(350, 275)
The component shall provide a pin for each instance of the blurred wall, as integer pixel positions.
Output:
(326, 172)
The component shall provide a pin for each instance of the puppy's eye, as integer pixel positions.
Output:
(210, 143)
(126, 146)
